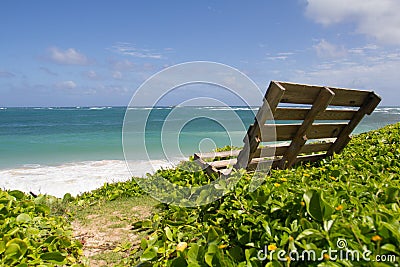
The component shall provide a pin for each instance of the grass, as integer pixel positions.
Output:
(105, 228)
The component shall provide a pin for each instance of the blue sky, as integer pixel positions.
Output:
(91, 53)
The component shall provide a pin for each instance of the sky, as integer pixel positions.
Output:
(97, 53)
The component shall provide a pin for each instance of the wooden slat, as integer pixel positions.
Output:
(271, 150)
(300, 114)
(253, 137)
(322, 101)
(280, 149)
(205, 166)
(308, 148)
(223, 163)
(367, 108)
(315, 147)
(305, 94)
(287, 131)
(221, 154)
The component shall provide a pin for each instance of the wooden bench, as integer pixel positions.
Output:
(336, 110)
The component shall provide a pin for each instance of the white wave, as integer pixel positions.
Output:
(389, 111)
(232, 108)
(74, 178)
(144, 108)
(3, 108)
(97, 108)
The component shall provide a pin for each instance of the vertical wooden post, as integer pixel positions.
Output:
(322, 101)
(253, 136)
(370, 103)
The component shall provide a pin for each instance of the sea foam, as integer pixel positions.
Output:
(74, 178)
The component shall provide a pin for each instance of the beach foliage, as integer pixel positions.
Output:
(350, 202)
(30, 235)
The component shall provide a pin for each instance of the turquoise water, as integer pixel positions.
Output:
(58, 135)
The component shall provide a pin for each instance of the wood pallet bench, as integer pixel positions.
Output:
(325, 117)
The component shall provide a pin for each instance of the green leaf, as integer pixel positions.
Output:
(211, 251)
(17, 194)
(317, 208)
(67, 198)
(236, 253)
(168, 233)
(394, 228)
(148, 254)
(390, 248)
(212, 235)
(53, 257)
(179, 262)
(193, 253)
(15, 248)
(23, 218)
(310, 233)
(313, 204)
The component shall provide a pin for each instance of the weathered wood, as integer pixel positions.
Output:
(284, 155)
(321, 103)
(254, 136)
(286, 132)
(311, 158)
(209, 169)
(280, 149)
(300, 114)
(305, 94)
(343, 139)
(223, 163)
(221, 154)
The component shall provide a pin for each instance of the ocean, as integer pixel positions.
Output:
(58, 150)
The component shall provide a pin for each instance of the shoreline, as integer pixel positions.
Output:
(74, 178)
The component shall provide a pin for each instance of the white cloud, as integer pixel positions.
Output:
(375, 18)
(66, 85)
(131, 50)
(280, 56)
(67, 57)
(369, 67)
(325, 49)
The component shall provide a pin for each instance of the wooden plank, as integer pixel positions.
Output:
(305, 94)
(286, 132)
(205, 166)
(223, 163)
(280, 149)
(221, 154)
(254, 135)
(300, 114)
(271, 150)
(315, 147)
(321, 103)
(308, 148)
(344, 137)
